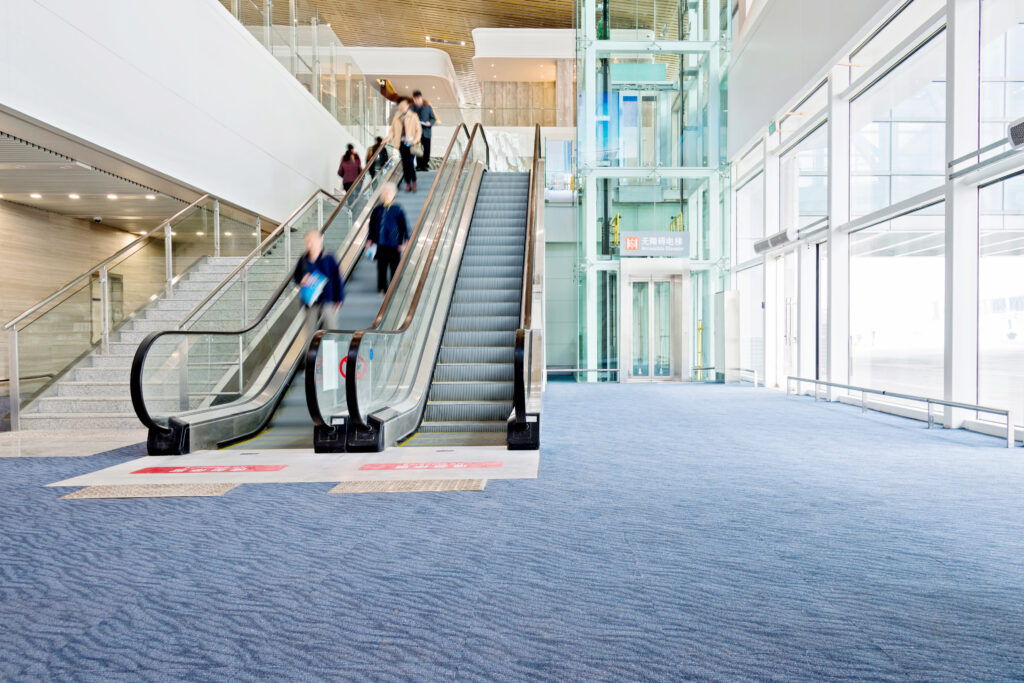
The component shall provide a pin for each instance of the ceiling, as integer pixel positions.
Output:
(399, 23)
(68, 187)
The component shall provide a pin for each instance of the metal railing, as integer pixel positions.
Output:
(102, 270)
(929, 402)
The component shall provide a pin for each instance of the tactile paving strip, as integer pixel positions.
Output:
(150, 491)
(416, 485)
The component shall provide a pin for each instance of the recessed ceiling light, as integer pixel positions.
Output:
(1, 196)
(111, 196)
(150, 196)
(36, 195)
(173, 234)
(228, 234)
(200, 234)
(140, 233)
(254, 234)
(462, 42)
(492, 66)
(73, 196)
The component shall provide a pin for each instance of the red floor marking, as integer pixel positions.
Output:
(428, 465)
(198, 469)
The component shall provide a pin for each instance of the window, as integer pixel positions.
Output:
(749, 217)
(1002, 67)
(804, 111)
(897, 132)
(750, 283)
(1001, 296)
(897, 303)
(803, 181)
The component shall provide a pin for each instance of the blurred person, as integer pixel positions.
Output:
(318, 270)
(406, 134)
(427, 121)
(350, 167)
(382, 159)
(389, 232)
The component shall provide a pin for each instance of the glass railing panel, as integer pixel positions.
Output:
(57, 338)
(333, 349)
(138, 280)
(397, 356)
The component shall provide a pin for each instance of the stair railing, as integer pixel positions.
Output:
(72, 307)
(528, 358)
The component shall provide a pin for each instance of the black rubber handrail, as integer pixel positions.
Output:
(139, 360)
(526, 306)
(352, 357)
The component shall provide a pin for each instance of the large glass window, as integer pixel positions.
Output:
(897, 303)
(750, 283)
(652, 110)
(1001, 296)
(897, 132)
(1002, 67)
(749, 217)
(803, 181)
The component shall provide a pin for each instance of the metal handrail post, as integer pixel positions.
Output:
(286, 235)
(928, 407)
(1011, 426)
(14, 388)
(320, 211)
(216, 228)
(168, 260)
(316, 65)
(241, 364)
(245, 296)
(259, 232)
(104, 309)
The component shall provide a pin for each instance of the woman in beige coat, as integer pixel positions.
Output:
(405, 133)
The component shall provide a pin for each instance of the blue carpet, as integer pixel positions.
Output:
(691, 532)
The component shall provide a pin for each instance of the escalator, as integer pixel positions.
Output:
(207, 388)
(465, 367)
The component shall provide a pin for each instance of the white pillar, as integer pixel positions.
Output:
(838, 244)
(963, 26)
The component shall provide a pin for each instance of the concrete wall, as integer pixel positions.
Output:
(183, 89)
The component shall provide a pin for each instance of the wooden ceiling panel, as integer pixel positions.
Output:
(399, 23)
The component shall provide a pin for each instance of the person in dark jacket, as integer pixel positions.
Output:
(382, 158)
(316, 260)
(427, 121)
(389, 231)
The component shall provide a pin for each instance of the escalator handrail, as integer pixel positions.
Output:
(139, 360)
(526, 306)
(258, 251)
(353, 352)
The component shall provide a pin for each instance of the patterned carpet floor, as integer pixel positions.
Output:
(688, 532)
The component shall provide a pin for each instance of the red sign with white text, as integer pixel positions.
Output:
(205, 469)
(428, 465)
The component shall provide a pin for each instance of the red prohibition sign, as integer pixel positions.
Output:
(360, 367)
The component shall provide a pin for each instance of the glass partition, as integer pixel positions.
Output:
(749, 217)
(897, 304)
(386, 358)
(1002, 67)
(216, 364)
(1001, 297)
(803, 181)
(897, 132)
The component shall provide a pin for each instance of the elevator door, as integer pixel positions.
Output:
(652, 330)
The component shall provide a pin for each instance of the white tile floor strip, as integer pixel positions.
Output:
(416, 486)
(151, 491)
(66, 444)
(303, 465)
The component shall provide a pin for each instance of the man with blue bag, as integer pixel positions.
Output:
(318, 275)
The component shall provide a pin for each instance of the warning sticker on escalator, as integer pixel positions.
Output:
(200, 469)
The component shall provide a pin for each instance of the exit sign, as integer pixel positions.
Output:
(771, 128)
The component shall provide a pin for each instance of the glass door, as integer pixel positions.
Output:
(641, 366)
(786, 354)
(652, 330)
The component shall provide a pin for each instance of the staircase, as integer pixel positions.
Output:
(471, 393)
(95, 394)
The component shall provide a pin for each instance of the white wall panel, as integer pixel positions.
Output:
(181, 88)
